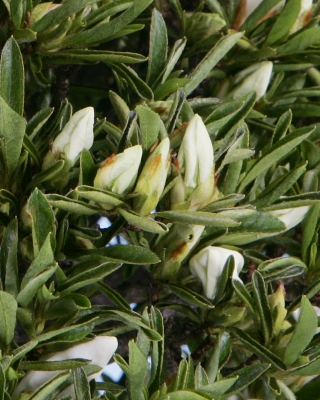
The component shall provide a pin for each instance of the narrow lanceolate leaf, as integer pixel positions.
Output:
(210, 60)
(198, 218)
(276, 152)
(149, 123)
(258, 349)
(81, 384)
(8, 258)
(42, 219)
(143, 223)
(246, 376)
(284, 22)
(12, 76)
(102, 31)
(300, 42)
(190, 296)
(262, 305)
(157, 48)
(8, 311)
(12, 130)
(138, 369)
(303, 333)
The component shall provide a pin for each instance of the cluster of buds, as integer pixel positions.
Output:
(194, 169)
(99, 351)
(208, 265)
(76, 136)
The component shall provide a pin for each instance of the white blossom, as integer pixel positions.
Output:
(99, 351)
(208, 264)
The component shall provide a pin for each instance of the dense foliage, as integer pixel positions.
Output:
(192, 128)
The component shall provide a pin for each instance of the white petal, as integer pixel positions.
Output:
(99, 350)
(76, 135)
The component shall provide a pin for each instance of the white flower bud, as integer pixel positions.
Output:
(196, 164)
(119, 172)
(290, 216)
(152, 179)
(303, 17)
(256, 77)
(76, 136)
(208, 264)
(196, 153)
(99, 350)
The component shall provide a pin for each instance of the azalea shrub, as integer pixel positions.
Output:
(159, 199)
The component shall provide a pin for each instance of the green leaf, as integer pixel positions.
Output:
(69, 333)
(173, 58)
(190, 296)
(220, 387)
(38, 121)
(114, 296)
(12, 76)
(149, 123)
(262, 305)
(275, 153)
(133, 80)
(134, 320)
(303, 332)
(59, 14)
(34, 284)
(246, 376)
(284, 22)
(300, 42)
(53, 365)
(81, 384)
(75, 56)
(244, 295)
(218, 356)
(279, 187)
(103, 31)
(138, 369)
(309, 231)
(72, 206)
(99, 195)
(46, 175)
(87, 168)
(210, 60)
(8, 258)
(258, 349)
(42, 261)
(42, 219)
(185, 395)
(47, 388)
(88, 276)
(143, 223)
(119, 253)
(12, 129)
(198, 218)
(170, 86)
(23, 350)
(157, 350)
(158, 46)
(8, 311)
(24, 35)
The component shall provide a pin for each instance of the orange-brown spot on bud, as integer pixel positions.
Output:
(109, 160)
(154, 165)
(240, 15)
(179, 251)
